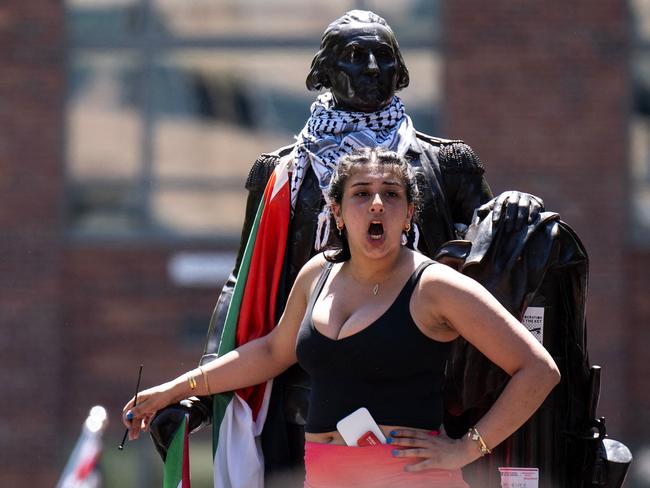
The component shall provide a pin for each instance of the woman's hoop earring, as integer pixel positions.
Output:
(404, 238)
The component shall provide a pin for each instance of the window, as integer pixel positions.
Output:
(170, 101)
(640, 123)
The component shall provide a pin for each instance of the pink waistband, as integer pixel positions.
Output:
(331, 465)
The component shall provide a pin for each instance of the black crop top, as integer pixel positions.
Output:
(390, 367)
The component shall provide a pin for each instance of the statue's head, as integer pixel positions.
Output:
(359, 61)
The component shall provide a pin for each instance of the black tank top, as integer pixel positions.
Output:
(390, 367)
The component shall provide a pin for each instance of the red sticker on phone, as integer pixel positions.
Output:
(368, 439)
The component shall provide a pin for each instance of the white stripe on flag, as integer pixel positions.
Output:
(282, 176)
(238, 460)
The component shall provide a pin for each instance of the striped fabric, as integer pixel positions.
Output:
(238, 417)
(177, 463)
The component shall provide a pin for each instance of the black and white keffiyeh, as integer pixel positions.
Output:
(330, 134)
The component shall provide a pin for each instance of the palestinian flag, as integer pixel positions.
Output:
(238, 417)
(177, 463)
(80, 470)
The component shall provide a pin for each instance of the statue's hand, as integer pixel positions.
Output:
(515, 208)
(167, 420)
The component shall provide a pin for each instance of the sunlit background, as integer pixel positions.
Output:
(169, 102)
(128, 130)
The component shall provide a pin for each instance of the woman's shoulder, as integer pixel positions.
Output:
(432, 268)
(311, 270)
(440, 278)
(316, 263)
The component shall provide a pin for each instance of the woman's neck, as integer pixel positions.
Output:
(367, 271)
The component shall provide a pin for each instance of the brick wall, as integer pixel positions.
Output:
(31, 96)
(637, 304)
(121, 310)
(541, 94)
(76, 319)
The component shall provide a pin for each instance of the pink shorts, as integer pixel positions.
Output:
(334, 466)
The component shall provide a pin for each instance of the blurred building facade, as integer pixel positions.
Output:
(128, 128)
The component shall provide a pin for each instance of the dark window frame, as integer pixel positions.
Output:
(148, 45)
(638, 235)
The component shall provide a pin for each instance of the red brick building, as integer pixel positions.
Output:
(90, 280)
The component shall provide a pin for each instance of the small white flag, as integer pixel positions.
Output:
(80, 470)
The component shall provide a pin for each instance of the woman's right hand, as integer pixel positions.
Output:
(138, 417)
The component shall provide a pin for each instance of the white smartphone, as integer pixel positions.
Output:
(360, 429)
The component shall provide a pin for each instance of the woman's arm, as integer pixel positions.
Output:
(250, 364)
(460, 304)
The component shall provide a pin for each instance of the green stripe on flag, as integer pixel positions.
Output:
(221, 401)
(227, 342)
(173, 470)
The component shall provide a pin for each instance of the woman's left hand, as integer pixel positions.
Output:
(436, 451)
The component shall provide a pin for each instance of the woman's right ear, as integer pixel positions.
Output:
(336, 211)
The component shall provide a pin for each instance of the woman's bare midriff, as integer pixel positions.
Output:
(335, 438)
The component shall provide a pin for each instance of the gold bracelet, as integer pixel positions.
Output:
(474, 435)
(205, 380)
(191, 381)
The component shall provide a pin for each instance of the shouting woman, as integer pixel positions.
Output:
(372, 322)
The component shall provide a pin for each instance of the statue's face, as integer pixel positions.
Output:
(363, 73)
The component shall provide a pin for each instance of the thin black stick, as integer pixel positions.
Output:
(135, 402)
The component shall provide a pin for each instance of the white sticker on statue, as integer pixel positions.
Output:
(534, 322)
(519, 477)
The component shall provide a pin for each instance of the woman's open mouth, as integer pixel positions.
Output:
(376, 230)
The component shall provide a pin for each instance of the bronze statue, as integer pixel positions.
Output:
(360, 65)
(540, 270)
